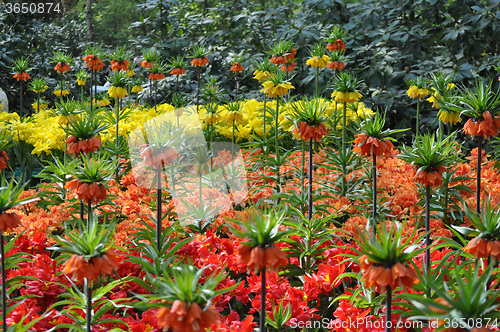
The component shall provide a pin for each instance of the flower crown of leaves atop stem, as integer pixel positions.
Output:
(94, 169)
(429, 153)
(312, 111)
(86, 124)
(261, 228)
(178, 62)
(388, 247)
(486, 223)
(199, 51)
(10, 192)
(61, 57)
(21, 65)
(38, 85)
(119, 55)
(476, 101)
(337, 33)
(374, 127)
(119, 79)
(151, 55)
(345, 82)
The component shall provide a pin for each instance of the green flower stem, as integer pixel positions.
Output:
(61, 95)
(158, 209)
(38, 102)
(82, 210)
(88, 317)
(374, 197)
(317, 81)
(309, 216)
(232, 141)
(418, 116)
(21, 98)
(427, 227)
(441, 131)
(91, 88)
(262, 318)
(156, 92)
(117, 111)
(89, 213)
(276, 129)
(478, 184)
(388, 309)
(237, 86)
(264, 124)
(302, 166)
(198, 91)
(81, 92)
(4, 290)
(344, 169)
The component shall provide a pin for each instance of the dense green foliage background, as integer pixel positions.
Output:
(388, 41)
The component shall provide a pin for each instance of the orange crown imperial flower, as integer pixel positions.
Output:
(22, 76)
(3, 160)
(236, 67)
(93, 62)
(94, 192)
(179, 318)
(335, 65)
(122, 65)
(485, 128)
(80, 269)
(257, 258)
(369, 146)
(379, 276)
(178, 71)
(430, 178)
(159, 159)
(337, 45)
(156, 76)
(146, 64)
(480, 248)
(200, 62)
(77, 146)
(8, 221)
(61, 68)
(307, 131)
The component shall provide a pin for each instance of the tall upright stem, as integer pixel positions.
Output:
(156, 92)
(478, 185)
(198, 92)
(262, 318)
(158, 209)
(302, 167)
(21, 98)
(418, 116)
(427, 227)
(61, 95)
(276, 130)
(310, 177)
(388, 309)
(374, 194)
(82, 210)
(344, 170)
(4, 290)
(317, 81)
(38, 102)
(88, 317)
(237, 87)
(89, 212)
(91, 88)
(264, 124)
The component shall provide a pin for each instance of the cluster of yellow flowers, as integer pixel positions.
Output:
(44, 130)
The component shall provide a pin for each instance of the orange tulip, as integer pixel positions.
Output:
(8, 221)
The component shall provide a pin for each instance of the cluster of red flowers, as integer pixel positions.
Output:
(484, 128)
(22, 76)
(378, 276)
(79, 268)
(118, 66)
(178, 71)
(181, 317)
(337, 45)
(156, 76)
(3, 160)
(431, 178)
(286, 61)
(93, 62)
(62, 68)
(200, 62)
(77, 146)
(158, 159)
(369, 146)
(307, 131)
(335, 65)
(236, 67)
(256, 258)
(88, 192)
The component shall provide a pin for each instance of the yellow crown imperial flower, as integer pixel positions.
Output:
(117, 92)
(58, 92)
(348, 97)
(81, 82)
(416, 92)
(137, 88)
(212, 118)
(318, 61)
(276, 90)
(434, 99)
(234, 116)
(260, 75)
(449, 117)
